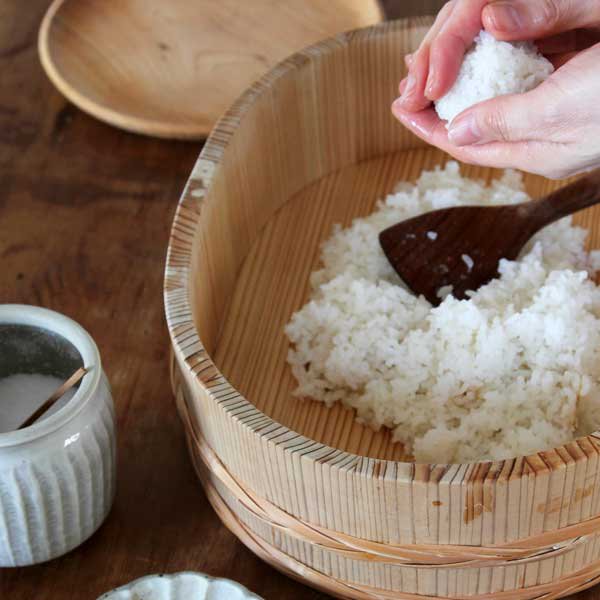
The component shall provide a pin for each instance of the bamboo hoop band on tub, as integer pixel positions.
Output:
(577, 582)
(547, 545)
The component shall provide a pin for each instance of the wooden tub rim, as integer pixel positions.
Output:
(186, 342)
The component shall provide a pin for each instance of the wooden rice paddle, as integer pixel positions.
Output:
(461, 246)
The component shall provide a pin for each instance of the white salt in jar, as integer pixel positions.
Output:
(57, 476)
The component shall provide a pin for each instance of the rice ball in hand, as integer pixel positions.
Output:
(492, 68)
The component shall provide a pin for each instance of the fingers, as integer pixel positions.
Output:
(534, 157)
(509, 118)
(450, 44)
(418, 64)
(531, 19)
(433, 68)
(550, 130)
(552, 112)
(428, 126)
(446, 56)
(413, 87)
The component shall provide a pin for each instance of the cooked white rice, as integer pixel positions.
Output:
(512, 370)
(492, 68)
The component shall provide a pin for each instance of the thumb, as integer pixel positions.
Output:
(509, 118)
(531, 19)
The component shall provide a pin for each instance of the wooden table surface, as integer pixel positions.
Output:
(85, 212)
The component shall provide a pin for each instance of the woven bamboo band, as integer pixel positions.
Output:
(288, 565)
(549, 544)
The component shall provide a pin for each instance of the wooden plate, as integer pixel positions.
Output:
(170, 69)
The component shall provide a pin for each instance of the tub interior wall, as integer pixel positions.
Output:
(320, 111)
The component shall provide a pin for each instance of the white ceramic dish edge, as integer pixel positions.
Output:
(186, 585)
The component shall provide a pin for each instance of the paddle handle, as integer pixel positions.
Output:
(581, 194)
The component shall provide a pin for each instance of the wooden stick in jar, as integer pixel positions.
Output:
(57, 395)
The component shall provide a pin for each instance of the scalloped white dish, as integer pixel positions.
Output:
(181, 586)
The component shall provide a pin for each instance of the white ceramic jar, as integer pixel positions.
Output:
(57, 477)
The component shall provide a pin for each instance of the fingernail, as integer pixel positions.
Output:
(411, 84)
(408, 59)
(408, 120)
(505, 16)
(464, 131)
(397, 106)
(431, 81)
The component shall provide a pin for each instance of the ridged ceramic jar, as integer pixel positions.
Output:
(57, 477)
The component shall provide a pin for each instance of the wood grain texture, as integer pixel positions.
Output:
(85, 213)
(286, 162)
(170, 69)
(71, 190)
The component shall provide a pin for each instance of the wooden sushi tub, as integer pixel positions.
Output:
(307, 488)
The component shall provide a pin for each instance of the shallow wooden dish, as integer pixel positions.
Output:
(170, 69)
(307, 488)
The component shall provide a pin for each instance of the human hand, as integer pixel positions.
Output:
(554, 130)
